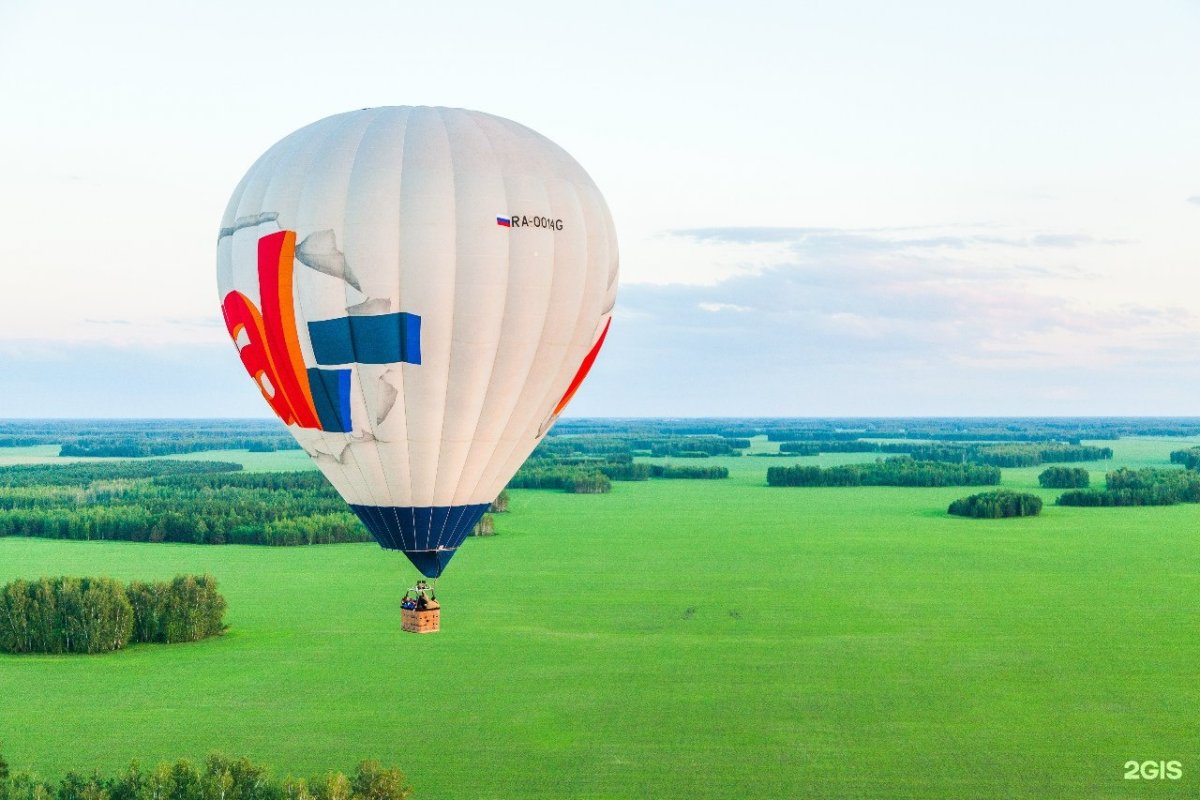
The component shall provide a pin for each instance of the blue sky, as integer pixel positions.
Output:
(823, 209)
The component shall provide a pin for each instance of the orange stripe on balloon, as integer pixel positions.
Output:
(275, 286)
(588, 360)
(287, 315)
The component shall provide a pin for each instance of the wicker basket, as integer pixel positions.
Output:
(427, 621)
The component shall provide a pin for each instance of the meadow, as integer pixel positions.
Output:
(671, 639)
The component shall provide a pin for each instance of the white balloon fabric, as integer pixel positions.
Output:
(417, 292)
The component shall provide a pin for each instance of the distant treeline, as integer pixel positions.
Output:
(99, 615)
(1142, 487)
(138, 438)
(174, 501)
(142, 447)
(611, 447)
(85, 473)
(895, 471)
(997, 455)
(219, 778)
(982, 429)
(997, 505)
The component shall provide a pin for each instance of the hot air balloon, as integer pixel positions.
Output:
(417, 292)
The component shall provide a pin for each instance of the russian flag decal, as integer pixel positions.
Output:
(504, 221)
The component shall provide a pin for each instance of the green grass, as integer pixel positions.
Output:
(673, 639)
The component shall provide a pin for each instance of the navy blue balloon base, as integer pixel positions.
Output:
(429, 536)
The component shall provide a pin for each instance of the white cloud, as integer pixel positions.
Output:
(900, 322)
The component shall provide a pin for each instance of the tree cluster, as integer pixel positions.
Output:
(997, 505)
(99, 615)
(219, 778)
(1142, 487)
(625, 472)
(1190, 458)
(1064, 478)
(589, 483)
(554, 476)
(895, 471)
(673, 471)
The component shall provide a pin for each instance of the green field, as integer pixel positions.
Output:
(672, 639)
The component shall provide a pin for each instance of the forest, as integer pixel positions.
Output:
(198, 502)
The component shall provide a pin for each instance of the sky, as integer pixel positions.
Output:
(824, 209)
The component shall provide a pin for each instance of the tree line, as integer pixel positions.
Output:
(1141, 487)
(996, 505)
(99, 615)
(85, 473)
(133, 438)
(146, 446)
(894, 471)
(997, 455)
(218, 778)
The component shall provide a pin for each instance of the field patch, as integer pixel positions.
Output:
(672, 639)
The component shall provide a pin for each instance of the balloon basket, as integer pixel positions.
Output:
(413, 621)
(420, 611)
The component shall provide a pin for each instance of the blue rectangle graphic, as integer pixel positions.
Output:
(373, 339)
(331, 396)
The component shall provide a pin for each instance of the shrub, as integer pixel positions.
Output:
(485, 527)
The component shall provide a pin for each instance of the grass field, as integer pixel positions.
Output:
(673, 639)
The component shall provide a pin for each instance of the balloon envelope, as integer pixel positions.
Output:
(418, 293)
